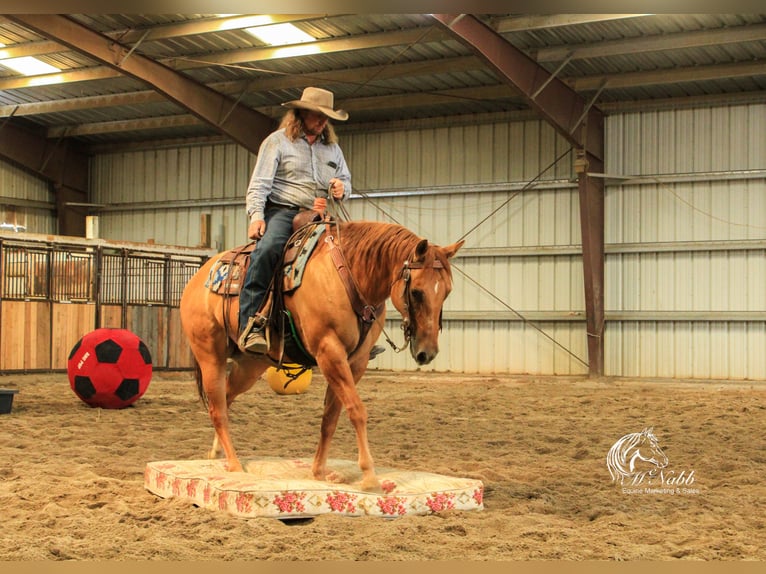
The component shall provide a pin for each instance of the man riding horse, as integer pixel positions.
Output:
(297, 165)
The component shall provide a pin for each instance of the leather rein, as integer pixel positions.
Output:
(366, 313)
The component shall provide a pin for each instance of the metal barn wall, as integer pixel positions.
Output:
(686, 265)
(26, 202)
(160, 195)
(685, 242)
(517, 301)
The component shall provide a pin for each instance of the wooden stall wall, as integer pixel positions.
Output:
(55, 290)
(25, 335)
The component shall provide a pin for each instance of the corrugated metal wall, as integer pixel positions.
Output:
(160, 195)
(686, 272)
(518, 261)
(684, 265)
(26, 202)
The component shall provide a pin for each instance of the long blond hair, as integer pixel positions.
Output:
(292, 124)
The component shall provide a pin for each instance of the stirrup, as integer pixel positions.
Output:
(254, 337)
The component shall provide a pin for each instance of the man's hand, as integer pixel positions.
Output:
(320, 204)
(256, 229)
(336, 188)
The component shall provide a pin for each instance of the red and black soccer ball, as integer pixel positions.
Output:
(109, 368)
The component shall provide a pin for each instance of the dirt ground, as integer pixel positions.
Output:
(71, 476)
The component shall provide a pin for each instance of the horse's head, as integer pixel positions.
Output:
(419, 293)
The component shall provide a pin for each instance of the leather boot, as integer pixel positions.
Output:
(254, 337)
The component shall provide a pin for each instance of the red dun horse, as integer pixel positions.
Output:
(383, 261)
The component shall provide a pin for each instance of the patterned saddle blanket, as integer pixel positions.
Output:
(228, 273)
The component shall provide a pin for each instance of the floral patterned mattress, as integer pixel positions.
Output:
(283, 488)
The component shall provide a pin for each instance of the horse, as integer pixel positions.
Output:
(634, 449)
(357, 263)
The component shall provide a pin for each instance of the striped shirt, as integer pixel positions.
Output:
(294, 173)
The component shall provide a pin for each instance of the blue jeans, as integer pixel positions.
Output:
(264, 259)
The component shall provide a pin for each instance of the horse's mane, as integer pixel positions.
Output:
(378, 242)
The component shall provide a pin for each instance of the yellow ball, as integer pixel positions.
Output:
(288, 380)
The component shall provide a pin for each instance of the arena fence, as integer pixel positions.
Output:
(54, 290)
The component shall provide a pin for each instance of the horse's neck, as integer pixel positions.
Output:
(374, 270)
(373, 279)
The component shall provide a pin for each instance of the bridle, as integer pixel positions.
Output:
(405, 276)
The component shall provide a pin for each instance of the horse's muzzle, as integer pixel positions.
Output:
(424, 354)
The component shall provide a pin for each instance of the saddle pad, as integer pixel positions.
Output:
(283, 488)
(294, 267)
(228, 272)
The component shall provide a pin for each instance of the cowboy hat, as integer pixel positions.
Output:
(318, 100)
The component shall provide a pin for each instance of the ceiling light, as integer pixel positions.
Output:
(28, 65)
(280, 34)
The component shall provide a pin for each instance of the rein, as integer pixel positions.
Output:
(366, 313)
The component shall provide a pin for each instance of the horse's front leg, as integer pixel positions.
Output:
(342, 381)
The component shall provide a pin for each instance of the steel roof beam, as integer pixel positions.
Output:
(379, 73)
(496, 92)
(559, 104)
(242, 124)
(539, 22)
(656, 43)
(208, 26)
(234, 57)
(367, 75)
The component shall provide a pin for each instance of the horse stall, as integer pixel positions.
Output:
(56, 289)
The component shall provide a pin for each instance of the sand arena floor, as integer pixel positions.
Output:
(71, 477)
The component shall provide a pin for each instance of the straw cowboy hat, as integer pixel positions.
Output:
(318, 100)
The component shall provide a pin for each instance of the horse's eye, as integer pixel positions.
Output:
(418, 296)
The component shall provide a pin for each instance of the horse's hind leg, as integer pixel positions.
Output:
(332, 408)
(243, 374)
(213, 374)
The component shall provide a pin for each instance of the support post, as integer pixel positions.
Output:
(591, 193)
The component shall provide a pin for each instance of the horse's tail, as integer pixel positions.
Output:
(198, 378)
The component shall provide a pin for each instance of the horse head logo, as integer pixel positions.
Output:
(635, 454)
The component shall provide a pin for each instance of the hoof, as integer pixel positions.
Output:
(234, 466)
(335, 477)
(371, 484)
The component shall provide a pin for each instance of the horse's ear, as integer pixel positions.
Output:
(421, 249)
(450, 250)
